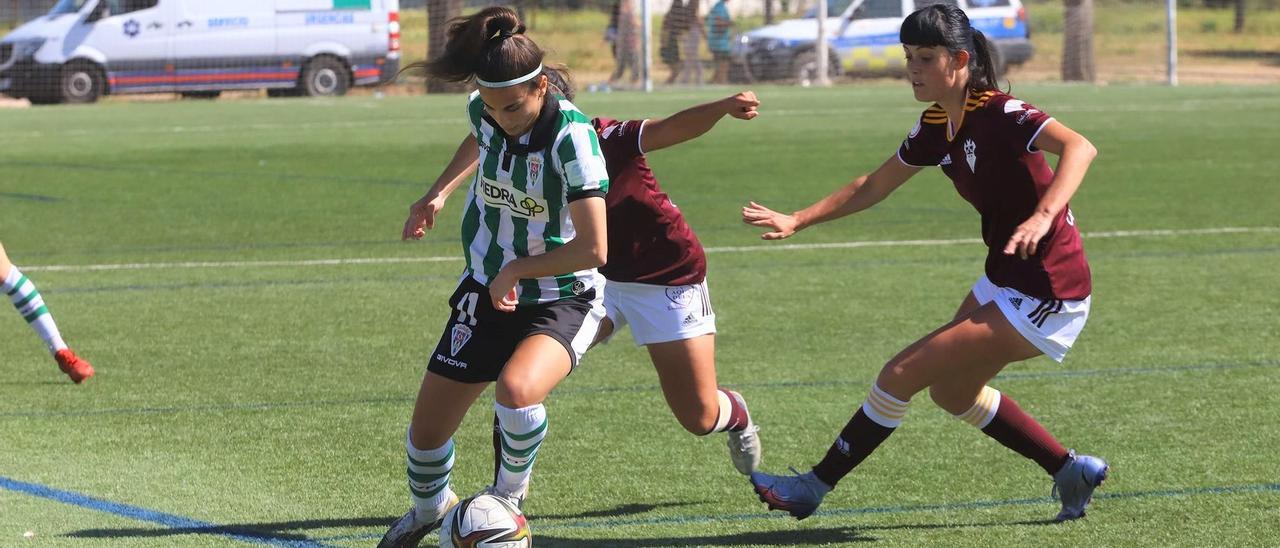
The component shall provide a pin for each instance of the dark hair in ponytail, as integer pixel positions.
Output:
(489, 45)
(558, 76)
(946, 25)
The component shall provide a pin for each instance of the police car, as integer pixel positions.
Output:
(862, 38)
(84, 49)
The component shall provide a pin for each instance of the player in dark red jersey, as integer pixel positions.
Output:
(1034, 296)
(657, 270)
(657, 274)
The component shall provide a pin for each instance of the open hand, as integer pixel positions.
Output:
(783, 225)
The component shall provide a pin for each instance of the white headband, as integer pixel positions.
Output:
(509, 83)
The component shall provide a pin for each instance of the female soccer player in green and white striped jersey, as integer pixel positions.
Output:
(533, 232)
(30, 305)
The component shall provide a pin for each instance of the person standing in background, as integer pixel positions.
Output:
(628, 43)
(674, 24)
(691, 72)
(719, 23)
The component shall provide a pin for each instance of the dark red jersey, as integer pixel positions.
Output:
(997, 169)
(649, 240)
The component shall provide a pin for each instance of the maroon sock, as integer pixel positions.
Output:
(1015, 429)
(738, 416)
(857, 441)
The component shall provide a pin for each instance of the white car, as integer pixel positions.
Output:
(84, 49)
(862, 38)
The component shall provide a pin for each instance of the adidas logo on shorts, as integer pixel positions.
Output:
(1017, 302)
(689, 320)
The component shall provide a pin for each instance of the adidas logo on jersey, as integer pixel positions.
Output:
(946, 160)
(1016, 302)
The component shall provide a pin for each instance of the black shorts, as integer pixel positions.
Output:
(479, 339)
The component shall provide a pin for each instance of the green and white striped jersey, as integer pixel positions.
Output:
(518, 204)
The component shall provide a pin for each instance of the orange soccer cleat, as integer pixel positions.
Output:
(71, 364)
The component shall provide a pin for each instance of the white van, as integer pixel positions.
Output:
(84, 49)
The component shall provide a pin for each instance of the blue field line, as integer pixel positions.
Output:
(550, 524)
(171, 521)
(30, 197)
(398, 400)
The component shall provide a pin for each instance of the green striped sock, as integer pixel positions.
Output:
(30, 305)
(428, 472)
(522, 433)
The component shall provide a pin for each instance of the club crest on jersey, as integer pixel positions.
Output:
(681, 297)
(535, 169)
(504, 196)
(971, 154)
(579, 287)
(458, 339)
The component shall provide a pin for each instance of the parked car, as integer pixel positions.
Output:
(84, 49)
(862, 39)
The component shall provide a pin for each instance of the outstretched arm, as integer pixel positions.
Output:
(862, 193)
(422, 214)
(692, 122)
(1075, 153)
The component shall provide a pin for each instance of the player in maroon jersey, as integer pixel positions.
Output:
(657, 273)
(1034, 296)
(657, 270)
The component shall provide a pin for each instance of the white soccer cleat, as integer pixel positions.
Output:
(411, 528)
(515, 498)
(744, 449)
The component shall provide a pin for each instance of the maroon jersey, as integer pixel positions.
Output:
(998, 170)
(649, 240)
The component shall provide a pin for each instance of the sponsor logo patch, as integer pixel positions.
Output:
(450, 361)
(458, 339)
(579, 287)
(504, 196)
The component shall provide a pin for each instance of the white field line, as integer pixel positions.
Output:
(724, 249)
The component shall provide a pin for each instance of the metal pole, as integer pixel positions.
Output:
(1171, 9)
(647, 29)
(820, 49)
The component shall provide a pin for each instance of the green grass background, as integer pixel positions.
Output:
(273, 399)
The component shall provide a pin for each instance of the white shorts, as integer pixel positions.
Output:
(1051, 325)
(660, 313)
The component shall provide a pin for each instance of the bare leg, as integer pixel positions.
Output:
(687, 373)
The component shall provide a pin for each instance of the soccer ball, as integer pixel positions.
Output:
(485, 521)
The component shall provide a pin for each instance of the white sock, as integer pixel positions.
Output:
(31, 307)
(884, 409)
(522, 433)
(984, 408)
(428, 473)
